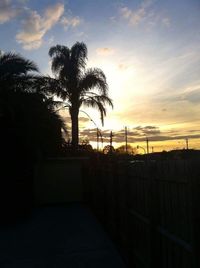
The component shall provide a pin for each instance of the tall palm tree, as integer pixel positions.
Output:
(78, 85)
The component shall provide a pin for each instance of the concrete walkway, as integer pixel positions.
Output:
(65, 236)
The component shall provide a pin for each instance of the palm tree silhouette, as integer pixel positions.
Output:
(26, 109)
(76, 85)
(15, 71)
(16, 74)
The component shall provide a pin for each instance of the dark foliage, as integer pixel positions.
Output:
(30, 130)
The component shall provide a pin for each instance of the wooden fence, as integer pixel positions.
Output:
(150, 209)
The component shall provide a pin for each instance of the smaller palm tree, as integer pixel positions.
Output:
(16, 74)
(24, 105)
(15, 71)
(76, 85)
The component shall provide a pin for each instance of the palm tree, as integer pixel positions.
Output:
(76, 85)
(25, 106)
(15, 71)
(15, 75)
(30, 128)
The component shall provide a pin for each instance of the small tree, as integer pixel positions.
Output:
(122, 149)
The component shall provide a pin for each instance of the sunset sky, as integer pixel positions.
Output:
(149, 51)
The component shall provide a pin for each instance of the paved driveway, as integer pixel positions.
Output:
(65, 236)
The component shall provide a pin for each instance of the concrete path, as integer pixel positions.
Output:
(67, 236)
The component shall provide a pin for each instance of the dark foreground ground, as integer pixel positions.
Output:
(64, 236)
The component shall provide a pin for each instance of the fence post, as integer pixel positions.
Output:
(194, 193)
(154, 216)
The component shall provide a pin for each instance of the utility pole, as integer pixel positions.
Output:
(147, 145)
(126, 140)
(111, 136)
(101, 138)
(111, 147)
(99, 135)
(187, 147)
(97, 139)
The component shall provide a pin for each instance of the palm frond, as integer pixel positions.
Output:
(94, 78)
(60, 66)
(52, 104)
(104, 99)
(15, 64)
(78, 57)
(92, 102)
(58, 50)
(51, 87)
(60, 60)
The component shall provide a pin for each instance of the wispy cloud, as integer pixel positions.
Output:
(144, 13)
(7, 11)
(36, 26)
(136, 16)
(105, 51)
(70, 22)
(51, 40)
(192, 96)
(166, 21)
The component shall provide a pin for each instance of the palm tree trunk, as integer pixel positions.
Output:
(75, 129)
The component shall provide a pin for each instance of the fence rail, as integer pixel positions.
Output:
(151, 209)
